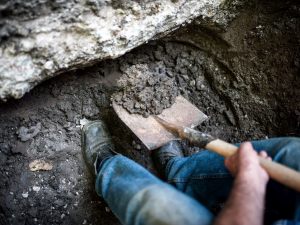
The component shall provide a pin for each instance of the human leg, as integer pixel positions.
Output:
(195, 175)
(135, 196)
(283, 150)
(203, 176)
(281, 202)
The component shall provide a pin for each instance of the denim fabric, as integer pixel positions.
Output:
(199, 186)
(286, 222)
(137, 197)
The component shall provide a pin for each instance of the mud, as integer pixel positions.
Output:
(245, 79)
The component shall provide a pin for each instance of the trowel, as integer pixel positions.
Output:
(178, 121)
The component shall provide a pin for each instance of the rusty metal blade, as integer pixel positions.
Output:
(172, 128)
(151, 133)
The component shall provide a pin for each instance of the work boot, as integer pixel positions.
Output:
(163, 155)
(96, 145)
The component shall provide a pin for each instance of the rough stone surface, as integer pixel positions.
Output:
(145, 91)
(40, 39)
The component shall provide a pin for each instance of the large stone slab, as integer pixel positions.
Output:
(40, 39)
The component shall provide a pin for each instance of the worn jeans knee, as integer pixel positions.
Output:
(161, 204)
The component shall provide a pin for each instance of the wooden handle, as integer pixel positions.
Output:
(278, 172)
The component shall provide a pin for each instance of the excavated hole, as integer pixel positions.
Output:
(245, 79)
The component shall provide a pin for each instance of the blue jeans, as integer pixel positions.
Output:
(198, 187)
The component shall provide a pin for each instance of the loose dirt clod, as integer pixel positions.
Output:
(144, 91)
(26, 134)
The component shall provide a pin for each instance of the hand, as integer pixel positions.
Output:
(245, 165)
(245, 204)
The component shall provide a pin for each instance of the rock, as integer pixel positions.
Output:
(40, 39)
(25, 134)
(199, 83)
(192, 83)
(83, 122)
(5, 148)
(36, 188)
(19, 148)
(39, 164)
(25, 195)
(136, 145)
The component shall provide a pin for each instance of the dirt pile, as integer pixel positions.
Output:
(144, 91)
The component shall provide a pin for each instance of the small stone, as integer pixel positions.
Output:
(59, 202)
(198, 85)
(83, 122)
(137, 105)
(49, 65)
(192, 83)
(158, 55)
(170, 74)
(39, 164)
(24, 134)
(185, 77)
(25, 195)
(36, 188)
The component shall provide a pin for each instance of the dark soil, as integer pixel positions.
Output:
(146, 91)
(247, 80)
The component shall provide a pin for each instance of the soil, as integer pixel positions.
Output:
(146, 91)
(246, 79)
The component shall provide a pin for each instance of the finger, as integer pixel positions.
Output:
(263, 154)
(269, 158)
(247, 146)
(246, 149)
(247, 155)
